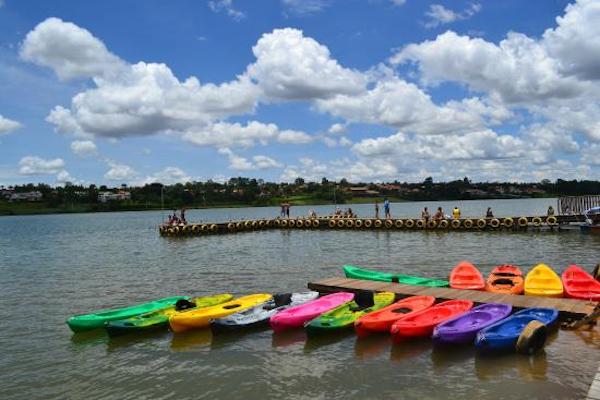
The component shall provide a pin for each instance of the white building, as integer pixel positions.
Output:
(103, 197)
(26, 196)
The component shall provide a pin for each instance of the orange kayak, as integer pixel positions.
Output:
(466, 276)
(506, 279)
(423, 322)
(382, 320)
(580, 285)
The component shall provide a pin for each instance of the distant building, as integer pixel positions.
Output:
(103, 197)
(362, 191)
(26, 196)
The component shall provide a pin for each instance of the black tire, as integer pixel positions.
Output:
(533, 338)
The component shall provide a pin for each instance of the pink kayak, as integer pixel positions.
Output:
(296, 317)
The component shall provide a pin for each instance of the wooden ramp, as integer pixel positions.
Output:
(568, 308)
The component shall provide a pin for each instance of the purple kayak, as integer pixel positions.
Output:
(464, 328)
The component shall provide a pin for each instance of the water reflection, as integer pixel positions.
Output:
(195, 340)
(448, 356)
(318, 341)
(372, 345)
(529, 368)
(409, 349)
(288, 338)
(89, 338)
(140, 337)
(591, 336)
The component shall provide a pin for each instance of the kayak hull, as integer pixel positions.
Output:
(382, 320)
(422, 323)
(464, 328)
(200, 318)
(465, 276)
(543, 281)
(344, 316)
(296, 317)
(86, 322)
(360, 273)
(579, 284)
(159, 319)
(505, 279)
(503, 335)
(259, 316)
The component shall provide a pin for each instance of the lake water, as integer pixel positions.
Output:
(53, 266)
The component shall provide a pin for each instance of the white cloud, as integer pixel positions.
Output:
(83, 147)
(440, 15)
(64, 176)
(239, 163)
(398, 2)
(294, 137)
(337, 129)
(8, 125)
(119, 172)
(168, 176)
(355, 171)
(226, 6)
(293, 67)
(71, 51)
(1, 3)
(33, 165)
(304, 7)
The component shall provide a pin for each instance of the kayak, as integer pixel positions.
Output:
(464, 328)
(503, 335)
(466, 276)
(259, 315)
(366, 274)
(423, 322)
(345, 315)
(160, 319)
(382, 320)
(543, 281)
(506, 279)
(580, 285)
(86, 322)
(200, 317)
(296, 317)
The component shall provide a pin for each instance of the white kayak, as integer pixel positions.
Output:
(259, 316)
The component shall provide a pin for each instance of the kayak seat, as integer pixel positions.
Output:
(183, 304)
(363, 300)
(282, 299)
(505, 274)
(503, 282)
(402, 310)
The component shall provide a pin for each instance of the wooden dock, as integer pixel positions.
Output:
(594, 392)
(568, 308)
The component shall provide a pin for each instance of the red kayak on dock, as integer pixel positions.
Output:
(422, 323)
(466, 276)
(580, 285)
(382, 320)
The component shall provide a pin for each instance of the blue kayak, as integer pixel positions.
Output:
(503, 335)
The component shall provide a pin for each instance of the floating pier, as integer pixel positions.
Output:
(337, 223)
(568, 308)
(594, 393)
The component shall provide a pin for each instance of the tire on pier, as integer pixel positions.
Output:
(214, 228)
(284, 223)
(331, 223)
(340, 223)
(187, 229)
(468, 223)
(481, 223)
(431, 224)
(349, 223)
(231, 227)
(523, 222)
(316, 223)
(409, 223)
(368, 223)
(300, 223)
(261, 224)
(536, 221)
(508, 222)
(378, 223)
(248, 224)
(254, 224)
(388, 223)
(204, 228)
(291, 223)
(358, 223)
(239, 226)
(399, 224)
(421, 223)
(455, 223)
(551, 220)
(443, 224)
(196, 229)
(494, 222)
(532, 338)
(276, 223)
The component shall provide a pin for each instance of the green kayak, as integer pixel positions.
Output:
(343, 316)
(86, 322)
(160, 319)
(360, 273)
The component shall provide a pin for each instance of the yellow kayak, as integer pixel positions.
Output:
(201, 317)
(543, 281)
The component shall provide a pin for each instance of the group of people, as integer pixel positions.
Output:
(285, 210)
(439, 214)
(177, 220)
(347, 213)
(386, 208)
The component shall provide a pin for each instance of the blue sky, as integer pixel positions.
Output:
(377, 90)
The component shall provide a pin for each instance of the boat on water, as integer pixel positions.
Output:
(505, 279)
(466, 276)
(464, 328)
(344, 316)
(96, 320)
(543, 281)
(580, 285)
(354, 272)
(592, 221)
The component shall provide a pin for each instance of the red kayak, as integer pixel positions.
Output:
(382, 320)
(580, 285)
(422, 322)
(466, 276)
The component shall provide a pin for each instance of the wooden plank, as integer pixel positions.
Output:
(567, 307)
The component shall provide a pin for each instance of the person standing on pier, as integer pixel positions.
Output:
(456, 213)
(439, 215)
(386, 208)
(425, 214)
(489, 213)
(550, 211)
(376, 209)
(287, 210)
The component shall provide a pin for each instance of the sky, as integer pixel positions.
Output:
(136, 91)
